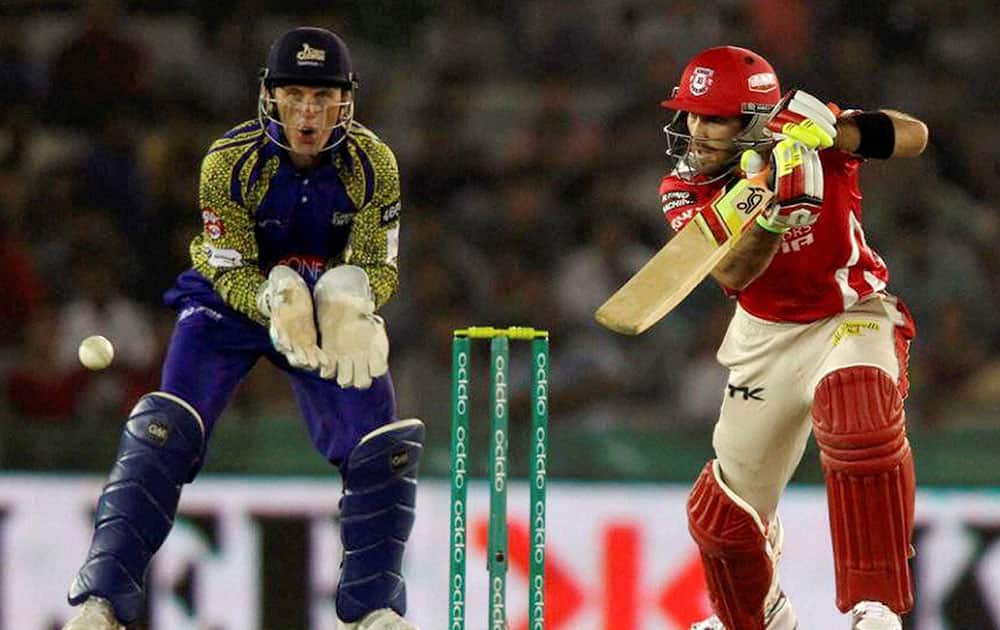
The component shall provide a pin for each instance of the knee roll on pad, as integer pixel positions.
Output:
(738, 561)
(159, 451)
(377, 513)
(859, 426)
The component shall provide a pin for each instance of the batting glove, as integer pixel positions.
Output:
(797, 181)
(803, 117)
(285, 298)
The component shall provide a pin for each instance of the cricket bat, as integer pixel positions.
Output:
(680, 265)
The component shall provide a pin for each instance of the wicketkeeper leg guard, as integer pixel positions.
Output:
(159, 451)
(738, 554)
(377, 513)
(859, 427)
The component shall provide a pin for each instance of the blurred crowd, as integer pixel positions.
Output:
(530, 146)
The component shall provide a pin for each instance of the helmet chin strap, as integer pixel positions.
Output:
(265, 117)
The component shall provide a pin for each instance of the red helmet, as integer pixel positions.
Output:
(726, 81)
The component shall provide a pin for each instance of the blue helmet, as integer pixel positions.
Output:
(309, 56)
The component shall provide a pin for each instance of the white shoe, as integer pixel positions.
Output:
(874, 616)
(780, 616)
(95, 614)
(381, 619)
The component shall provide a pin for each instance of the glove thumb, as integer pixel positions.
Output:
(752, 163)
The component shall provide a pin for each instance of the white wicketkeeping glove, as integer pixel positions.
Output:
(353, 337)
(286, 300)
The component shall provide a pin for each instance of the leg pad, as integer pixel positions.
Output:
(160, 450)
(736, 555)
(377, 513)
(859, 427)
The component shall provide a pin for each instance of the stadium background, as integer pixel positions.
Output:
(530, 146)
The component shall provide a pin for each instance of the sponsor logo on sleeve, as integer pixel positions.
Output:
(681, 219)
(390, 212)
(214, 226)
(224, 258)
(676, 199)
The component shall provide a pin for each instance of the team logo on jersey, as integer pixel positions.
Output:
(701, 80)
(762, 82)
(310, 56)
(213, 224)
(390, 213)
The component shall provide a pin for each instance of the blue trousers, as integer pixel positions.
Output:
(212, 349)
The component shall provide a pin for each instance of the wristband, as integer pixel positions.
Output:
(762, 222)
(878, 136)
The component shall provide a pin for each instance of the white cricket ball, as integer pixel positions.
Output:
(96, 352)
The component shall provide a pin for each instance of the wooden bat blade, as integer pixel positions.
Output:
(680, 265)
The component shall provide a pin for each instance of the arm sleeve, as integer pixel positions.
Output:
(374, 240)
(226, 250)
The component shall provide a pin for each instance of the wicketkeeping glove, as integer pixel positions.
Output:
(354, 338)
(803, 117)
(797, 181)
(285, 298)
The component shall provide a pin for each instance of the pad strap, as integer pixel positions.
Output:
(859, 427)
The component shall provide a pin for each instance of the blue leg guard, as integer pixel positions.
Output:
(160, 450)
(377, 513)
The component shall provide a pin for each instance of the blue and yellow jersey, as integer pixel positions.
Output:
(258, 211)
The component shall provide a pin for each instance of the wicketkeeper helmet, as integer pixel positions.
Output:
(309, 56)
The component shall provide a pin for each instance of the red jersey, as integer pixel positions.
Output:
(820, 269)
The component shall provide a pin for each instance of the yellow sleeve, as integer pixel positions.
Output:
(374, 240)
(226, 250)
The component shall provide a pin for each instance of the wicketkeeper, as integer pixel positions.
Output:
(301, 229)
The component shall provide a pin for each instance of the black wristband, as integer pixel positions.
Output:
(878, 136)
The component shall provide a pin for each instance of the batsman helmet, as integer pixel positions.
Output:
(723, 81)
(309, 56)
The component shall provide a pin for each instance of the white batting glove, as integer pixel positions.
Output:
(803, 117)
(353, 337)
(285, 298)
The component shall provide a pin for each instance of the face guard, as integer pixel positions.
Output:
(685, 162)
(269, 118)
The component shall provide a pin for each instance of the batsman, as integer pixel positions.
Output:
(300, 210)
(817, 343)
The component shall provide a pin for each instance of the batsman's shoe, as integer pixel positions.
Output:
(95, 614)
(874, 616)
(381, 619)
(779, 616)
